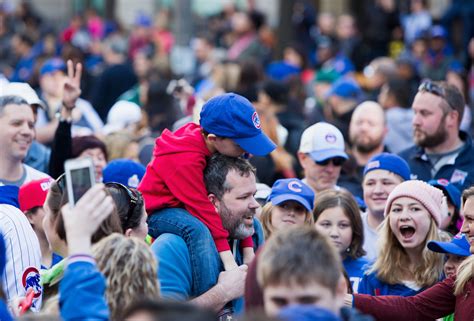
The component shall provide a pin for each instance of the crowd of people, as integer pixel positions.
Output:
(335, 182)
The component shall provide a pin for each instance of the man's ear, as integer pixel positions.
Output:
(211, 137)
(214, 200)
(301, 158)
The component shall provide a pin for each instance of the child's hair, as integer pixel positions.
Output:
(299, 255)
(266, 219)
(331, 199)
(466, 269)
(130, 269)
(392, 262)
(58, 197)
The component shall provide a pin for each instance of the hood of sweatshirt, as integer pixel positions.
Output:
(186, 139)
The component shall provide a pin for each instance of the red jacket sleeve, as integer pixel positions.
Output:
(186, 182)
(431, 304)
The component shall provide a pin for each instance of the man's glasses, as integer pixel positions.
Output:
(434, 89)
(336, 161)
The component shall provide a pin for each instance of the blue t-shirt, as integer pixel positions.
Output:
(355, 269)
(370, 284)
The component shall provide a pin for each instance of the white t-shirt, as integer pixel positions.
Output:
(371, 237)
(29, 174)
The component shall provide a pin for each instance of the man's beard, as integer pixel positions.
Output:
(439, 137)
(234, 224)
(366, 147)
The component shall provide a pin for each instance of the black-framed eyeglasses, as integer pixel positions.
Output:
(336, 161)
(133, 198)
(432, 88)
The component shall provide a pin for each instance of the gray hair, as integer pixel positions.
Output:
(11, 100)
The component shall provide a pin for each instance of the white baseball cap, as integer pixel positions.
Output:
(23, 90)
(322, 141)
(122, 114)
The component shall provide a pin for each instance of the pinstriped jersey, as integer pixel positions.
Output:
(23, 255)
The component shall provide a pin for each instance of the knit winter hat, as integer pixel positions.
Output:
(430, 197)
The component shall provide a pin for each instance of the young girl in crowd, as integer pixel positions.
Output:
(337, 215)
(405, 266)
(290, 203)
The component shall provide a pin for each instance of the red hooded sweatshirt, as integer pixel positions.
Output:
(175, 178)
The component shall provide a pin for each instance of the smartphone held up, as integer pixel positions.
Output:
(80, 176)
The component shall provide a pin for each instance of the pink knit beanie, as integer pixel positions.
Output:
(430, 197)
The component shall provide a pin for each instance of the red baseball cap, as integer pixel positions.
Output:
(33, 194)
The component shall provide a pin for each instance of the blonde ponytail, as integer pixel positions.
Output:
(464, 275)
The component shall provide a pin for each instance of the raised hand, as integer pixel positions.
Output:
(72, 86)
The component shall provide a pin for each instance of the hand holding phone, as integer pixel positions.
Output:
(80, 177)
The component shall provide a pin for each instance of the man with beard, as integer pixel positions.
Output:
(231, 186)
(442, 150)
(366, 133)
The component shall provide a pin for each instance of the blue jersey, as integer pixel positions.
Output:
(355, 270)
(371, 284)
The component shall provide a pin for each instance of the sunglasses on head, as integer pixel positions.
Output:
(133, 198)
(336, 161)
(434, 89)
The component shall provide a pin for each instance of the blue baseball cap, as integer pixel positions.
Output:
(459, 245)
(438, 31)
(52, 65)
(292, 189)
(345, 88)
(124, 171)
(306, 312)
(449, 190)
(233, 116)
(389, 162)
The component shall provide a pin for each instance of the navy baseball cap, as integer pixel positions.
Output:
(459, 245)
(124, 171)
(438, 31)
(449, 190)
(52, 65)
(292, 189)
(233, 116)
(389, 162)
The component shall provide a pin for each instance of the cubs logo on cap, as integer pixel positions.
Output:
(331, 138)
(256, 120)
(295, 186)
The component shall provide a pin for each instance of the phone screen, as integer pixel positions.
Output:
(81, 182)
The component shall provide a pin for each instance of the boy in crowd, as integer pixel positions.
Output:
(288, 275)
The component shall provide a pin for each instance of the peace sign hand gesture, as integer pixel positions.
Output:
(72, 86)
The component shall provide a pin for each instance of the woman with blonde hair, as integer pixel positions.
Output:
(130, 270)
(404, 265)
(454, 294)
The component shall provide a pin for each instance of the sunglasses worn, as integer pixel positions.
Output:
(336, 161)
(434, 89)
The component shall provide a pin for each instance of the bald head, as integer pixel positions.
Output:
(367, 128)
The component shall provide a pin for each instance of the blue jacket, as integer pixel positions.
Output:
(175, 270)
(82, 293)
(460, 172)
(372, 285)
